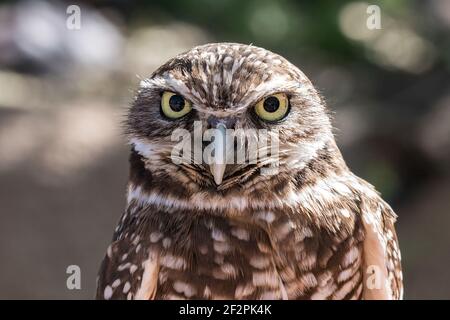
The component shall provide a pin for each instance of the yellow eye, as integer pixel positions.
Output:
(273, 108)
(174, 106)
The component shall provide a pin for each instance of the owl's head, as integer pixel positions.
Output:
(195, 100)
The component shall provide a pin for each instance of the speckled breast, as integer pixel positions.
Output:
(270, 256)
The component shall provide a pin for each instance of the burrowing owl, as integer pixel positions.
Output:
(191, 229)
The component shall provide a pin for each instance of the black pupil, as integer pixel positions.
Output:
(176, 103)
(271, 104)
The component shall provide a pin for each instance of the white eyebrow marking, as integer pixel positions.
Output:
(169, 82)
(277, 84)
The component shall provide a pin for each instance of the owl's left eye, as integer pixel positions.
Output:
(273, 108)
(174, 106)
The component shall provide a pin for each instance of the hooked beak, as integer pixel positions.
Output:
(218, 164)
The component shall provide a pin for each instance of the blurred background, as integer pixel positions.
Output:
(64, 92)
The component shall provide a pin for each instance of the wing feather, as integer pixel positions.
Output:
(130, 268)
(382, 267)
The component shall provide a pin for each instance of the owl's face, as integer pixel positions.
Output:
(234, 87)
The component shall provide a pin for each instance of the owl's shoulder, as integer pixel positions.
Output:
(127, 260)
(382, 268)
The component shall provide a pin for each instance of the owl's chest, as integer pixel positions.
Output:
(280, 259)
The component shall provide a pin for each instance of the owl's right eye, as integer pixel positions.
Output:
(174, 106)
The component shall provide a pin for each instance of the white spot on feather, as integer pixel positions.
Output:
(107, 294)
(185, 288)
(126, 287)
(116, 283)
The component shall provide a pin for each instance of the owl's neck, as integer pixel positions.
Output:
(320, 199)
(284, 191)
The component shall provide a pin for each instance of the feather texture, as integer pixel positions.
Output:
(311, 231)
